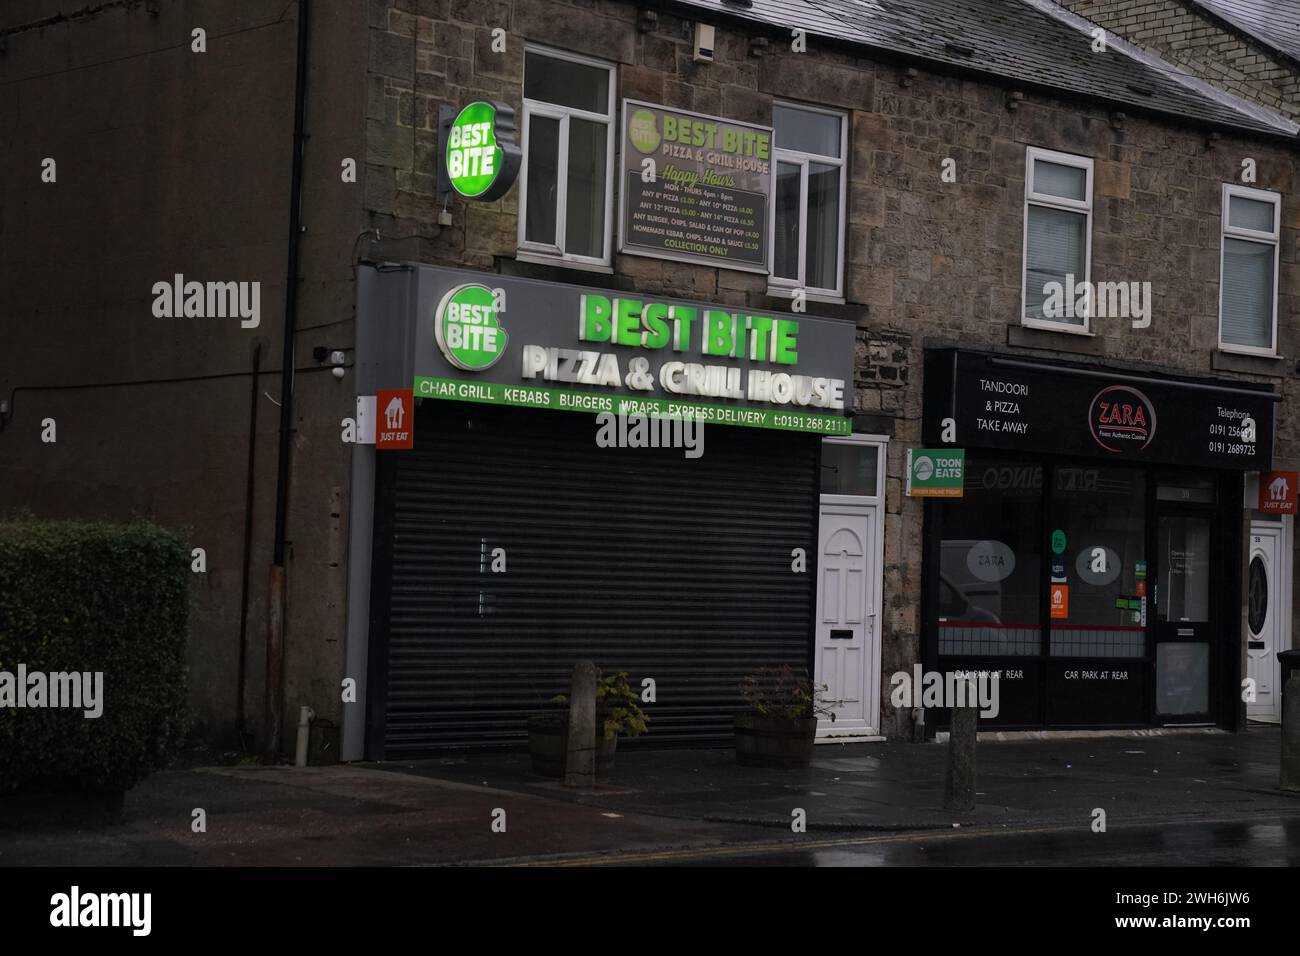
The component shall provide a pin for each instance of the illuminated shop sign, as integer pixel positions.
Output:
(551, 345)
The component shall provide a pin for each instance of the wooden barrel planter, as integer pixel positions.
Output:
(548, 745)
(775, 742)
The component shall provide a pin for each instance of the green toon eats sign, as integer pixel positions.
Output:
(936, 472)
(480, 159)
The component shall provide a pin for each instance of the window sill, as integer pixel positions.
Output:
(1057, 327)
(811, 295)
(542, 259)
(1251, 363)
(1033, 337)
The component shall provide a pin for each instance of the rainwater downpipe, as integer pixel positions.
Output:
(273, 713)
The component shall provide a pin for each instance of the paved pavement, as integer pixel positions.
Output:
(899, 786)
(865, 803)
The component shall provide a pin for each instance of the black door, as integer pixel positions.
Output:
(1188, 607)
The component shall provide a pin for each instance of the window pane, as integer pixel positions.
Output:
(1056, 244)
(990, 561)
(849, 469)
(807, 132)
(1184, 554)
(1250, 214)
(1248, 293)
(584, 224)
(785, 258)
(823, 255)
(566, 83)
(1189, 488)
(1102, 513)
(543, 179)
(1257, 597)
(1055, 179)
(1182, 678)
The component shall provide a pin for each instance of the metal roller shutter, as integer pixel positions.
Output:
(639, 559)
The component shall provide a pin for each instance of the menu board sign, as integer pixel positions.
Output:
(1004, 401)
(696, 188)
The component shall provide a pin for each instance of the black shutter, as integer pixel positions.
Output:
(639, 559)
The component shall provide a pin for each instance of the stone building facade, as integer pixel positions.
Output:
(932, 255)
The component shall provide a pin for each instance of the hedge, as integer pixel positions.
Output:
(93, 597)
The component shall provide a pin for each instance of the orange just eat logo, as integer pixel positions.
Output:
(1060, 601)
(395, 410)
(1277, 492)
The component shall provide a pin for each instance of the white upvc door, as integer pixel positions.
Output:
(846, 638)
(1267, 613)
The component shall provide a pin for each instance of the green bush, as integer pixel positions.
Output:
(86, 598)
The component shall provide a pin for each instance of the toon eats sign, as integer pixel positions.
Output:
(500, 340)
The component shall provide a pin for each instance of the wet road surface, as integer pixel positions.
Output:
(1257, 842)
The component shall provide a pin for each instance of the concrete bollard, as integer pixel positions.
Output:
(959, 782)
(580, 762)
(1290, 776)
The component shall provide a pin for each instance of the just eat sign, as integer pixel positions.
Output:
(1277, 492)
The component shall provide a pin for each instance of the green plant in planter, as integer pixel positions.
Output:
(618, 705)
(784, 693)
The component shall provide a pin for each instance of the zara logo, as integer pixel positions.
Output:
(1122, 419)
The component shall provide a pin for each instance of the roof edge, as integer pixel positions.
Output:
(1240, 31)
(1285, 132)
(1195, 84)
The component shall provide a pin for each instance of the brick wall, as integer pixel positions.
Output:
(925, 259)
(1202, 46)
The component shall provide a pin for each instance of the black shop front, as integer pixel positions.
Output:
(1094, 560)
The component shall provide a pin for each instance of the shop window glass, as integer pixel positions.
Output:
(1185, 572)
(1099, 525)
(1182, 678)
(990, 561)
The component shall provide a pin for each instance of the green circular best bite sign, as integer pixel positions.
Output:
(643, 132)
(468, 330)
(481, 157)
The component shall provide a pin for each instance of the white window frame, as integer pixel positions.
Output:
(1274, 238)
(786, 287)
(1032, 198)
(547, 252)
